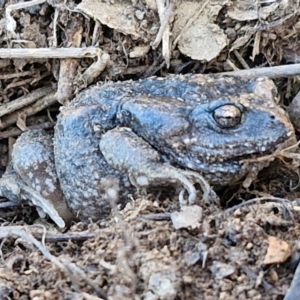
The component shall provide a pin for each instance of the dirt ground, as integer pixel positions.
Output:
(147, 250)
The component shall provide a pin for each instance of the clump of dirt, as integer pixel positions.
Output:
(50, 50)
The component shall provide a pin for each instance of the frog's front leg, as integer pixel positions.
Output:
(128, 153)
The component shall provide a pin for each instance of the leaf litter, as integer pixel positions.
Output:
(152, 249)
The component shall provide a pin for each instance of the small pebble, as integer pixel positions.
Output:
(273, 275)
(139, 14)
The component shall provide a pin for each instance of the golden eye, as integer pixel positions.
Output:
(227, 116)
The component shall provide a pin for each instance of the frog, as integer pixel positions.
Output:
(118, 138)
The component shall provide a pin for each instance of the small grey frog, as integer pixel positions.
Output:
(116, 137)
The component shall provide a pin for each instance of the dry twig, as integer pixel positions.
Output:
(165, 14)
(17, 74)
(156, 217)
(11, 24)
(274, 72)
(64, 237)
(28, 111)
(25, 100)
(279, 22)
(36, 53)
(16, 132)
(285, 203)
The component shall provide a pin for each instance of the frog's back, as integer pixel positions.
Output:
(193, 89)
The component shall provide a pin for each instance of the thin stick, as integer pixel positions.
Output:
(10, 107)
(16, 131)
(274, 72)
(64, 237)
(11, 24)
(277, 22)
(96, 33)
(18, 83)
(164, 15)
(30, 53)
(18, 74)
(156, 217)
(55, 27)
(285, 203)
(21, 5)
(241, 59)
(28, 111)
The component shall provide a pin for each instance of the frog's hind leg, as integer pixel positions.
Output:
(31, 177)
(89, 183)
(129, 153)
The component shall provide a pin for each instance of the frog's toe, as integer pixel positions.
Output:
(13, 188)
(163, 174)
(209, 195)
(188, 179)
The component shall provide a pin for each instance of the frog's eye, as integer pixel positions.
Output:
(227, 116)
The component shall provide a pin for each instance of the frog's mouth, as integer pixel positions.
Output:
(270, 153)
(272, 150)
(263, 148)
